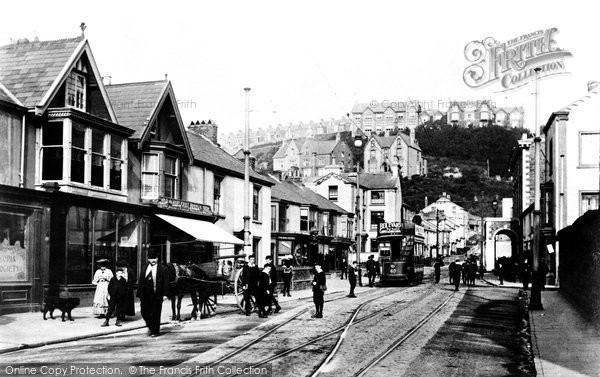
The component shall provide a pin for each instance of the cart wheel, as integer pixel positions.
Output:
(239, 293)
(208, 306)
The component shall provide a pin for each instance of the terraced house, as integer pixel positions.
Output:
(92, 172)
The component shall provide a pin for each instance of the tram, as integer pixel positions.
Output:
(401, 247)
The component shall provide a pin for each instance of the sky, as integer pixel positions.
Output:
(312, 60)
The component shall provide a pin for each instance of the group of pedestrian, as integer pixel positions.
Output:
(469, 272)
(114, 293)
(261, 285)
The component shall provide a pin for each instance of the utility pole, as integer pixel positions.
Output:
(437, 233)
(247, 238)
(535, 301)
(358, 144)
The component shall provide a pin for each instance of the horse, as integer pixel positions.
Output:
(184, 279)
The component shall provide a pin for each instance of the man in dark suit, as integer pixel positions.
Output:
(153, 287)
(352, 278)
(372, 270)
(250, 276)
(263, 293)
(271, 298)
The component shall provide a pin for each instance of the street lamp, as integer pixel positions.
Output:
(247, 239)
(358, 144)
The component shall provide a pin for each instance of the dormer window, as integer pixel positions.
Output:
(76, 85)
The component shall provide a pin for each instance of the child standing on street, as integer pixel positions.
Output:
(117, 289)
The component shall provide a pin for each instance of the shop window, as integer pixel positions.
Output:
(79, 247)
(52, 151)
(150, 176)
(13, 247)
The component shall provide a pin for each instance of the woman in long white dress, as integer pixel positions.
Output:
(101, 279)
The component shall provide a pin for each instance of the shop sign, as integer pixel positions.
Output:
(13, 262)
(391, 228)
(185, 206)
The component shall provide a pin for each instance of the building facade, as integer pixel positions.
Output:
(394, 154)
(571, 181)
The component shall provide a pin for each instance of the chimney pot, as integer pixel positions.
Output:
(593, 85)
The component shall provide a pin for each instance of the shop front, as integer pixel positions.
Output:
(24, 227)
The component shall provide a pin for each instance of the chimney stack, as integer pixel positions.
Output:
(593, 85)
(208, 129)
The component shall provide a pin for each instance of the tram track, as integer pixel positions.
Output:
(354, 319)
(389, 349)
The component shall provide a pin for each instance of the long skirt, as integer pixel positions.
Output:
(101, 298)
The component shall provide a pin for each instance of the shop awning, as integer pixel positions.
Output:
(202, 230)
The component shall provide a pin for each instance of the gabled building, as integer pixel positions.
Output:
(306, 227)
(386, 154)
(74, 152)
(453, 219)
(216, 176)
(570, 185)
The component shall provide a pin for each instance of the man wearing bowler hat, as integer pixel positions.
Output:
(153, 286)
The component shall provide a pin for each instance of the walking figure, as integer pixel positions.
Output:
(343, 268)
(437, 267)
(319, 286)
(117, 289)
(288, 274)
(372, 270)
(153, 287)
(272, 296)
(352, 278)
(456, 275)
(250, 276)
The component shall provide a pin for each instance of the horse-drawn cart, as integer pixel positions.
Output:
(202, 283)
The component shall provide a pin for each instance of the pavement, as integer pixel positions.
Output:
(29, 330)
(564, 343)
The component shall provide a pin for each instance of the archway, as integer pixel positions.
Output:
(506, 252)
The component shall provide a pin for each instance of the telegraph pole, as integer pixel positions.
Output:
(535, 301)
(247, 237)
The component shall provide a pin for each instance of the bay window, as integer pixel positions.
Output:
(78, 153)
(171, 177)
(150, 176)
(52, 151)
(116, 162)
(98, 157)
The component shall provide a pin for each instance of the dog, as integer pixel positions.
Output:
(63, 304)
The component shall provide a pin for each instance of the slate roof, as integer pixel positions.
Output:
(581, 100)
(374, 181)
(322, 146)
(207, 153)
(406, 139)
(299, 194)
(133, 103)
(385, 141)
(281, 151)
(28, 69)
(378, 108)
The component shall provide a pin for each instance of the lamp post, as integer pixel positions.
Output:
(247, 239)
(535, 301)
(358, 143)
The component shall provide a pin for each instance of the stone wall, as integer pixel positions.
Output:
(579, 269)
